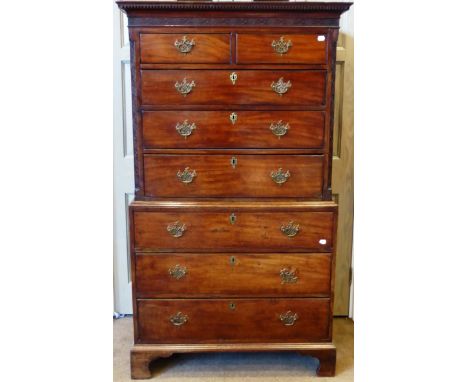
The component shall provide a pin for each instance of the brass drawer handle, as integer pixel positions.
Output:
(279, 128)
(186, 176)
(176, 229)
(178, 272)
(185, 46)
(185, 128)
(280, 86)
(179, 319)
(281, 46)
(288, 318)
(184, 87)
(280, 177)
(288, 276)
(291, 229)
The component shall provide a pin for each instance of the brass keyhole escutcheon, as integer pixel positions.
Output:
(233, 77)
(233, 118)
(232, 260)
(232, 306)
(233, 162)
(232, 218)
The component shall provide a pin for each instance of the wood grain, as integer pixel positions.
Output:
(213, 231)
(217, 177)
(214, 87)
(214, 129)
(215, 321)
(232, 275)
(257, 49)
(208, 48)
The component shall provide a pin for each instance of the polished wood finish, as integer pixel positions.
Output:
(251, 87)
(214, 248)
(257, 230)
(226, 320)
(250, 176)
(207, 49)
(214, 129)
(305, 49)
(232, 275)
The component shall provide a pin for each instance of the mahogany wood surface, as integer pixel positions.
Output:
(214, 87)
(233, 320)
(208, 48)
(213, 231)
(232, 275)
(257, 48)
(232, 292)
(214, 129)
(216, 176)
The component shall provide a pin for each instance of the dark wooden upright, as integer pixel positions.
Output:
(233, 231)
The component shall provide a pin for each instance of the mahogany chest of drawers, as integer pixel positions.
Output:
(233, 230)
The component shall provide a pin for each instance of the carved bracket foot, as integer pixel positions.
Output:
(140, 361)
(327, 359)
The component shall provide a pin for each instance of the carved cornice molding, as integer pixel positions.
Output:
(234, 6)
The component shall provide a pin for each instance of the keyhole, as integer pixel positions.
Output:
(233, 118)
(232, 306)
(233, 77)
(232, 218)
(232, 260)
(233, 162)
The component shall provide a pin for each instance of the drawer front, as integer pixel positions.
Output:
(215, 87)
(239, 320)
(224, 275)
(236, 231)
(233, 176)
(281, 49)
(167, 48)
(233, 129)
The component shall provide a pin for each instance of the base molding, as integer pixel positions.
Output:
(142, 355)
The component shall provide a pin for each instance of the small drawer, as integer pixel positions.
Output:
(190, 48)
(229, 87)
(233, 320)
(233, 129)
(282, 48)
(233, 175)
(232, 229)
(230, 275)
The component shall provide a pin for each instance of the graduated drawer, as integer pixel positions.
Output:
(233, 320)
(233, 129)
(215, 87)
(193, 48)
(281, 48)
(227, 275)
(233, 175)
(233, 230)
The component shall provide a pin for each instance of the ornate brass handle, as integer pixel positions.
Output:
(279, 128)
(280, 177)
(185, 128)
(179, 319)
(186, 176)
(291, 229)
(281, 46)
(184, 87)
(288, 276)
(178, 272)
(288, 318)
(184, 46)
(280, 86)
(176, 229)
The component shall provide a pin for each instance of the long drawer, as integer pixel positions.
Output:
(233, 129)
(227, 275)
(233, 320)
(234, 176)
(225, 87)
(232, 229)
